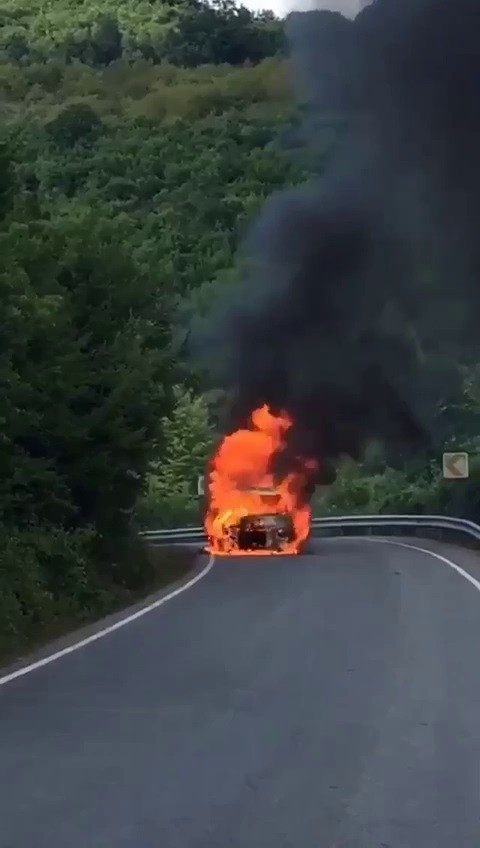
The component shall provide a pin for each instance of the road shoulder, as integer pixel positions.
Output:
(106, 623)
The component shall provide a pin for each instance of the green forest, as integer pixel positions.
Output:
(138, 142)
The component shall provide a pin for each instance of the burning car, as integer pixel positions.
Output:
(249, 511)
(270, 532)
(256, 533)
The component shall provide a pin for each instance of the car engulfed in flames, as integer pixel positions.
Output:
(250, 509)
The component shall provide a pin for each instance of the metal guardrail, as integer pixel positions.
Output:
(179, 534)
(335, 525)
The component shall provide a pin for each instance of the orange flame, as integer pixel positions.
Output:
(241, 484)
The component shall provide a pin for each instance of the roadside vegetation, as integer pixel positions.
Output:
(417, 486)
(138, 142)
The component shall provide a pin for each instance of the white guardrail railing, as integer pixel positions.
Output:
(335, 525)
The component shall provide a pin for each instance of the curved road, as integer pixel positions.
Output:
(329, 701)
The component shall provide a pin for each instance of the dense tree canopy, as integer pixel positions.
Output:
(126, 184)
(98, 32)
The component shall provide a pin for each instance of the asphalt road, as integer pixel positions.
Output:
(329, 701)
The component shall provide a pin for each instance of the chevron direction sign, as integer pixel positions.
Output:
(455, 466)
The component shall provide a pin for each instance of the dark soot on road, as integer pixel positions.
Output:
(362, 294)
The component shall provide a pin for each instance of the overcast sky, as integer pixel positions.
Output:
(282, 7)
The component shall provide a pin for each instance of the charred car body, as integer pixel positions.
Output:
(267, 531)
(264, 532)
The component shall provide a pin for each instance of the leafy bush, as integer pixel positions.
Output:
(46, 579)
(391, 492)
(170, 497)
(157, 509)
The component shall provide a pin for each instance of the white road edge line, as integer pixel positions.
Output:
(107, 630)
(457, 568)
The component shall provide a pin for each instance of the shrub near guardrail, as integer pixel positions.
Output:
(400, 492)
(392, 491)
(52, 581)
(46, 578)
(175, 510)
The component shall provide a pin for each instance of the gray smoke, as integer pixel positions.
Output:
(363, 290)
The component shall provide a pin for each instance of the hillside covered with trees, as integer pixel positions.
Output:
(98, 32)
(137, 142)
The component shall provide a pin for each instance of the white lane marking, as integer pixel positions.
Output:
(107, 630)
(457, 568)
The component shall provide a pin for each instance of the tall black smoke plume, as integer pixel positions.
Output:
(363, 292)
